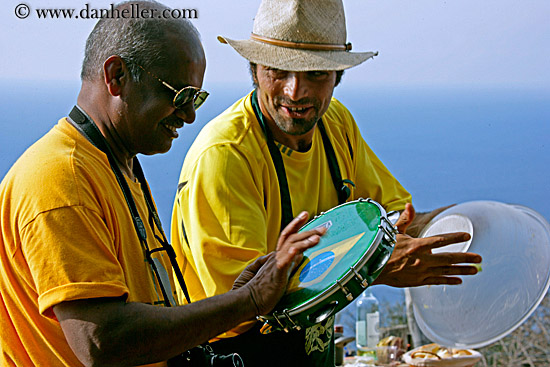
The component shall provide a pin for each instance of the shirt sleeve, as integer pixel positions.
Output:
(70, 254)
(224, 219)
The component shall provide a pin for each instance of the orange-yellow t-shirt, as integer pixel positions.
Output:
(66, 234)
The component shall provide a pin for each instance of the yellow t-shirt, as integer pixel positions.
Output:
(227, 210)
(66, 234)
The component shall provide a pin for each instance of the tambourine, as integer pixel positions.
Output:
(357, 245)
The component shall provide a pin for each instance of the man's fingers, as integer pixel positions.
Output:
(297, 237)
(442, 280)
(289, 253)
(452, 258)
(406, 218)
(446, 274)
(445, 239)
(455, 270)
(292, 228)
(304, 242)
(257, 264)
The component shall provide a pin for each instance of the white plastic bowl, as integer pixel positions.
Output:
(515, 244)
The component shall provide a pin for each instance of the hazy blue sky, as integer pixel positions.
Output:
(432, 42)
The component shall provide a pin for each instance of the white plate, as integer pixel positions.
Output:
(460, 361)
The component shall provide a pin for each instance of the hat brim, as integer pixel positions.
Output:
(293, 59)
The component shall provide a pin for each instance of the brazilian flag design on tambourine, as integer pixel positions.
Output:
(352, 229)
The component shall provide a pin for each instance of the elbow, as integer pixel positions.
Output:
(93, 350)
(109, 347)
(97, 356)
(89, 360)
(94, 346)
(93, 330)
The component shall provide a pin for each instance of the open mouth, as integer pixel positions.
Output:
(296, 112)
(171, 130)
(297, 109)
(170, 127)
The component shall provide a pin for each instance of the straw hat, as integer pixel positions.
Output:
(299, 35)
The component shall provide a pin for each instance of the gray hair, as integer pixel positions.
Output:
(137, 41)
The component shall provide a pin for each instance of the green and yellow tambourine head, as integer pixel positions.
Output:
(358, 243)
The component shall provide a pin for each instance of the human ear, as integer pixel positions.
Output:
(114, 71)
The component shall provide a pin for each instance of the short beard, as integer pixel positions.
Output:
(300, 126)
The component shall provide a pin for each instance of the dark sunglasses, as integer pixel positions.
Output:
(184, 95)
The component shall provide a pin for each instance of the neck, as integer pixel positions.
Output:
(299, 143)
(88, 102)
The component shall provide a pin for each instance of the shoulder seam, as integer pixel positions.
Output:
(24, 227)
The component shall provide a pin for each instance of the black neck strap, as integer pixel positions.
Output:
(342, 189)
(89, 129)
(277, 158)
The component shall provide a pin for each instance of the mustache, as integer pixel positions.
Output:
(283, 100)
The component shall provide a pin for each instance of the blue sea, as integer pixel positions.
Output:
(445, 145)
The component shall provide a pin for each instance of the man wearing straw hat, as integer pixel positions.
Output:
(285, 147)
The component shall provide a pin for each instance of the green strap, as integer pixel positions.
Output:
(277, 158)
(342, 190)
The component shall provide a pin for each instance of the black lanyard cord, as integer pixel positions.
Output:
(88, 128)
(342, 189)
(154, 221)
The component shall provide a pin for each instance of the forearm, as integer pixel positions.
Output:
(116, 333)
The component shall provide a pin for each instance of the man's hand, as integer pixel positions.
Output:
(267, 277)
(413, 264)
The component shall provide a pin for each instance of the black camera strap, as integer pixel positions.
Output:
(340, 186)
(90, 130)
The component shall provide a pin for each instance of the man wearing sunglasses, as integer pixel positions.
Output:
(84, 264)
(268, 156)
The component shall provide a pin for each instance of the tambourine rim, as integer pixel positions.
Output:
(369, 200)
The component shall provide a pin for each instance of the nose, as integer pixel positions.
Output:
(186, 113)
(295, 85)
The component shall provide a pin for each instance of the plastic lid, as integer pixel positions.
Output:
(514, 242)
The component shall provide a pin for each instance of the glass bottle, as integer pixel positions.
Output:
(366, 325)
